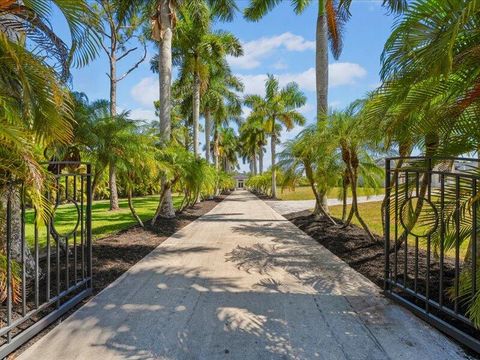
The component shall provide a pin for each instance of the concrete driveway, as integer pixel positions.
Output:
(241, 282)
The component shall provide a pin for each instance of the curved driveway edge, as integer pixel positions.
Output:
(242, 282)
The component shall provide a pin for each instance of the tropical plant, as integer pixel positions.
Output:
(225, 181)
(261, 183)
(253, 139)
(221, 91)
(278, 108)
(314, 154)
(196, 48)
(431, 75)
(36, 108)
(347, 131)
(164, 20)
(228, 147)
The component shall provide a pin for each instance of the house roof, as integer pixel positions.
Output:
(241, 177)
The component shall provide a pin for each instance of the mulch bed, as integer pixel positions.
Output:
(115, 254)
(353, 246)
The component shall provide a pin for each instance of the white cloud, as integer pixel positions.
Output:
(143, 114)
(255, 84)
(246, 111)
(146, 91)
(256, 50)
(339, 74)
(306, 109)
(280, 65)
(335, 104)
(345, 73)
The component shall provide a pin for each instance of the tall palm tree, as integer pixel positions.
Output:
(228, 147)
(227, 109)
(222, 89)
(196, 46)
(253, 139)
(164, 19)
(278, 108)
(331, 18)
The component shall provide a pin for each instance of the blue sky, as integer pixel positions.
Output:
(283, 44)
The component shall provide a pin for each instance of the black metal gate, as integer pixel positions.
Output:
(432, 241)
(46, 255)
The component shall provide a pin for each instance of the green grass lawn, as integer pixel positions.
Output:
(104, 222)
(305, 193)
(370, 212)
(372, 215)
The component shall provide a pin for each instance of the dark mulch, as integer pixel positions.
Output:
(353, 246)
(115, 254)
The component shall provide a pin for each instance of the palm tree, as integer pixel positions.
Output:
(196, 46)
(347, 132)
(430, 93)
(278, 108)
(431, 73)
(331, 18)
(222, 90)
(164, 15)
(228, 147)
(253, 140)
(314, 154)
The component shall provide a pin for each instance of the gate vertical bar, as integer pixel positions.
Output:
(474, 238)
(9, 266)
(387, 224)
(89, 224)
(24, 275)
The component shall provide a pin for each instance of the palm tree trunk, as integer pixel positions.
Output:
(196, 112)
(260, 160)
(165, 83)
(354, 210)
(112, 183)
(274, 175)
(215, 149)
(208, 125)
(321, 62)
(344, 198)
(132, 209)
(254, 164)
(318, 197)
(321, 70)
(187, 137)
(112, 176)
(404, 150)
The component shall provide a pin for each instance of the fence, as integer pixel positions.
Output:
(432, 242)
(46, 255)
